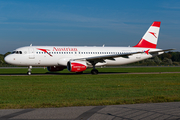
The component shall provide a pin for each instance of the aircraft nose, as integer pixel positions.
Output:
(8, 59)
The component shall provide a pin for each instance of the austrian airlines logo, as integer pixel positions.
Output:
(153, 34)
(45, 50)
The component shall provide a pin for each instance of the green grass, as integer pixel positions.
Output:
(101, 70)
(86, 89)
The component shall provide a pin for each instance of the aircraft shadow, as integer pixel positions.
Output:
(51, 73)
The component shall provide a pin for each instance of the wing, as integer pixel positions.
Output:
(97, 59)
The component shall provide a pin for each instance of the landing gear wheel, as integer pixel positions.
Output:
(29, 70)
(94, 72)
(29, 73)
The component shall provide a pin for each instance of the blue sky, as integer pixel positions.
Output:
(86, 22)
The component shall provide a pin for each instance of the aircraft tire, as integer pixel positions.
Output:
(94, 72)
(28, 73)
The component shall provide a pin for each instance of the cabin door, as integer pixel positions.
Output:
(31, 53)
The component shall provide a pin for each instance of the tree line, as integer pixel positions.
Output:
(169, 58)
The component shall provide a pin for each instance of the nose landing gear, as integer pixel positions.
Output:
(29, 70)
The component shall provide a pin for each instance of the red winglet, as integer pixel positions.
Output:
(147, 51)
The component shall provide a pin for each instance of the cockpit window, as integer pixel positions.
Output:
(13, 52)
(17, 52)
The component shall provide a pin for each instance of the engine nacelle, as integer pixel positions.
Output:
(55, 68)
(76, 66)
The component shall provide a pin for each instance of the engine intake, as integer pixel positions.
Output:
(76, 66)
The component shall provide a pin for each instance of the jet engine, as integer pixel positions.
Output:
(55, 68)
(76, 66)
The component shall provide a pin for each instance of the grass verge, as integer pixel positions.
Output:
(85, 90)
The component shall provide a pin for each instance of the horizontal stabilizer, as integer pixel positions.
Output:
(161, 50)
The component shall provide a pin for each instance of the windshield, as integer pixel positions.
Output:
(17, 52)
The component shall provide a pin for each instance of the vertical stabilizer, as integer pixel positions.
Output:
(150, 38)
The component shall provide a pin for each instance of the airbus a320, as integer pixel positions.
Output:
(78, 59)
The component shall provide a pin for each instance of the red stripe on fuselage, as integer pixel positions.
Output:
(45, 50)
(145, 44)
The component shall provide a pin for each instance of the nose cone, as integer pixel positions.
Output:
(8, 59)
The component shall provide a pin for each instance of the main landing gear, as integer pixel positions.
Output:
(94, 71)
(29, 70)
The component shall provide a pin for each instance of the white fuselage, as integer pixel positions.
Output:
(60, 55)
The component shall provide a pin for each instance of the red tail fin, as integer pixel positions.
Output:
(150, 38)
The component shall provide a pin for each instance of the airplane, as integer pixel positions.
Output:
(79, 58)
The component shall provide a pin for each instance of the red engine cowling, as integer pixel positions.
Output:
(55, 68)
(76, 66)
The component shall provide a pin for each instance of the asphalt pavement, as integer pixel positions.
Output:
(149, 111)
